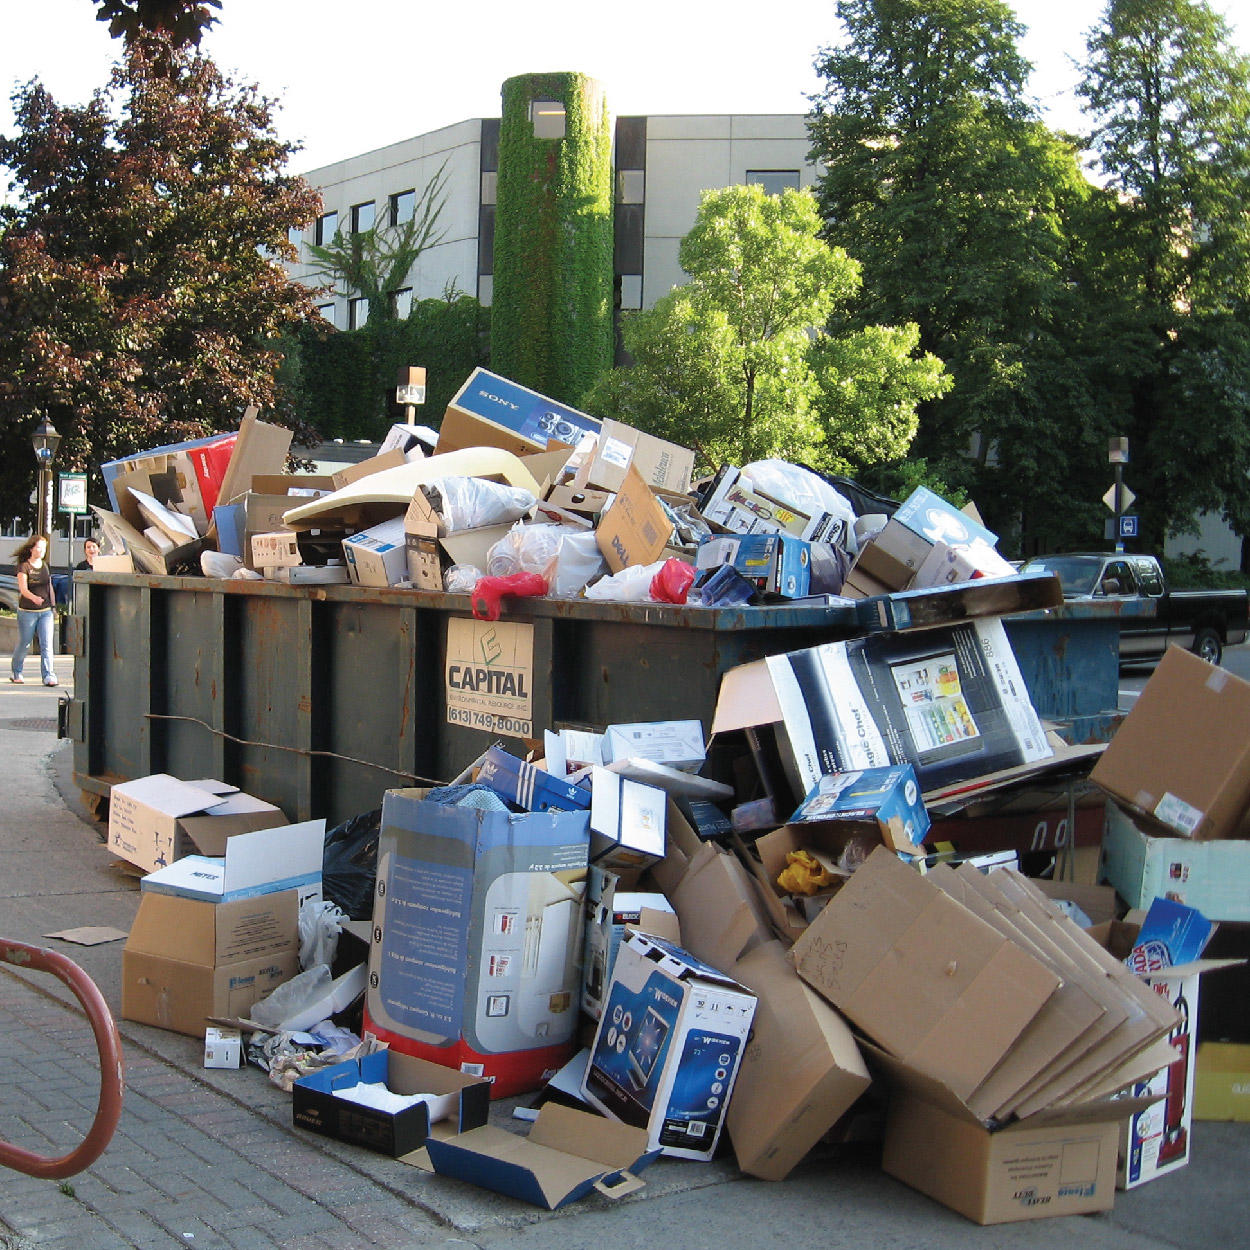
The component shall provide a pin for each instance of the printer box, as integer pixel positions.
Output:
(883, 801)
(668, 1047)
(378, 556)
(477, 931)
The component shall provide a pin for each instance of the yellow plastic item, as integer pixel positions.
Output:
(396, 486)
(804, 874)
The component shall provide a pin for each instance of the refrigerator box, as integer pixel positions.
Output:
(1165, 763)
(343, 1102)
(668, 1047)
(477, 930)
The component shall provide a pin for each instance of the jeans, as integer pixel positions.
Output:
(28, 625)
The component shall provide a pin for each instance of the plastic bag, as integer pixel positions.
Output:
(320, 923)
(489, 593)
(349, 864)
(631, 585)
(578, 561)
(291, 997)
(829, 567)
(460, 579)
(219, 564)
(468, 503)
(672, 583)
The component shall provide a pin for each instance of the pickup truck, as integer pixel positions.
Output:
(1205, 621)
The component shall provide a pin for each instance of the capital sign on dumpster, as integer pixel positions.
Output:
(489, 676)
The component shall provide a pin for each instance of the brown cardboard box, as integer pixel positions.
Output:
(422, 528)
(1166, 763)
(894, 555)
(662, 465)
(187, 959)
(635, 529)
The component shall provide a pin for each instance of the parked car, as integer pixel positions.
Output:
(1205, 621)
(8, 592)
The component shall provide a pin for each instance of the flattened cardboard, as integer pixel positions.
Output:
(463, 1099)
(801, 1071)
(920, 974)
(567, 1154)
(1165, 763)
(259, 448)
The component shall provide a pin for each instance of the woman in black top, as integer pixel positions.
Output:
(34, 608)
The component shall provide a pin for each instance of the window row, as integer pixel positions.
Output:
(358, 308)
(400, 208)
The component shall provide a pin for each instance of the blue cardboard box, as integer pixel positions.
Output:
(529, 787)
(885, 799)
(668, 1046)
(533, 420)
(778, 564)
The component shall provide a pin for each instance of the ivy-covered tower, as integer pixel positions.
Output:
(551, 314)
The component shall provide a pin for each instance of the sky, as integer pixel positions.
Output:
(353, 75)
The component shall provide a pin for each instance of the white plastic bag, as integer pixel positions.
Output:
(468, 503)
(320, 923)
(291, 997)
(578, 561)
(806, 491)
(631, 585)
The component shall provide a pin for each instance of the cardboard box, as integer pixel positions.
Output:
(147, 555)
(477, 936)
(378, 556)
(157, 819)
(882, 801)
(860, 584)
(422, 530)
(244, 517)
(934, 519)
(1222, 1082)
(801, 1071)
(489, 410)
(609, 913)
(317, 1102)
(1165, 762)
(187, 960)
(635, 529)
(626, 822)
(774, 564)
(276, 550)
(1213, 877)
(1025, 1171)
(894, 555)
(667, 1050)
(263, 861)
(168, 476)
(662, 465)
(584, 503)
(528, 786)
(471, 547)
(676, 743)
(950, 701)
(567, 1154)
(731, 502)
(223, 1048)
(259, 448)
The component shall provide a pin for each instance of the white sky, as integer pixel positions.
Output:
(352, 75)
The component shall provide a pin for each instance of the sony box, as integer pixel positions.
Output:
(667, 1050)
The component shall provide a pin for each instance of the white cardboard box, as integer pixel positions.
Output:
(378, 556)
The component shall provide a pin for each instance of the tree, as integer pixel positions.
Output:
(376, 262)
(942, 182)
(183, 21)
(735, 360)
(1169, 99)
(141, 288)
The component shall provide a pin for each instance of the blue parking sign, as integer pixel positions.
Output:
(1128, 526)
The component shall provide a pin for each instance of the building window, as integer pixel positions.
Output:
(486, 239)
(357, 312)
(327, 311)
(547, 118)
(403, 205)
(401, 302)
(327, 225)
(362, 217)
(631, 143)
(627, 226)
(774, 181)
(630, 186)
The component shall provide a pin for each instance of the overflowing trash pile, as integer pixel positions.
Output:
(606, 944)
(519, 495)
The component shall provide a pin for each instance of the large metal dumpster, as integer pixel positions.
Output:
(319, 698)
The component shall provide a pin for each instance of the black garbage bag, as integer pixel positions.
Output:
(349, 864)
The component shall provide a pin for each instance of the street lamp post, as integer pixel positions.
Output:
(45, 441)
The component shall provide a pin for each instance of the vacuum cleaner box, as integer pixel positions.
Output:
(667, 1049)
(477, 931)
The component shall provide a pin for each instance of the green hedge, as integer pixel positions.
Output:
(342, 383)
(551, 315)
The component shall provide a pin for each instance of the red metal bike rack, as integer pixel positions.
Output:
(108, 1043)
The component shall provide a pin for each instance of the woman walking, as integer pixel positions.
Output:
(34, 608)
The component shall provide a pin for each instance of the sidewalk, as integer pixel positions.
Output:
(209, 1158)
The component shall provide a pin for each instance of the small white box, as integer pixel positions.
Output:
(677, 743)
(378, 556)
(223, 1048)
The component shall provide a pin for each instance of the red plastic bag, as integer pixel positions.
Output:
(672, 583)
(489, 592)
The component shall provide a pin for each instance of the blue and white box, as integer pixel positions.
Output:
(533, 417)
(778, 564)
(886, 800)
(668, 1046)
(528, 786)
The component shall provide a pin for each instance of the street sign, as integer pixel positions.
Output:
(73, 492)
(1128, 526)
(1126, 498)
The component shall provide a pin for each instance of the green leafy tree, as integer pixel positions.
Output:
(735, 360)
(943, 183)
(1169, 101)
(375, 263)
(141, 284)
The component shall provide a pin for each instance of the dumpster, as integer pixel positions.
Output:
(320, 698)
